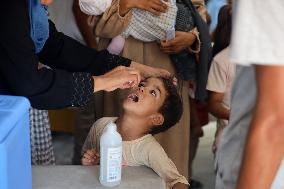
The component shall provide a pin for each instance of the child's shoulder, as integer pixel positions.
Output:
(106, 120)
(149, 143)
(101, 123)
(222, 55)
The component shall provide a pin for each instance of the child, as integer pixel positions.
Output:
(147, 27)
(221, 74)
(153, 107)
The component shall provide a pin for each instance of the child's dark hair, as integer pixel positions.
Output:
(172, 107)
(222, 33)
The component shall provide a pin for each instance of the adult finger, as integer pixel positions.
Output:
(159, 6)
(132, 81)
(132, 73)
(137, 74)
(165, 73)
(166, 43)
(167, 48)
(169, 51)
(132, 84)
(160, 2)
(153, 11)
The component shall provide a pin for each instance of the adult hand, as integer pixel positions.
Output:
(154, 6)
(179, 43)
(121, 77)
(91, 157)
(148, 71)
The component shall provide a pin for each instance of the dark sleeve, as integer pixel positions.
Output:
(63, 52)
(45, 88)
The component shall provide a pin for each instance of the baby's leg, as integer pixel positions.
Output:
(116, 45)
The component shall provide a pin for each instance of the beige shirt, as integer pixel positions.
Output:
(220, 79)
(142, 151)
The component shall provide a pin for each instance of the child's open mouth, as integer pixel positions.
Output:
(134, 97)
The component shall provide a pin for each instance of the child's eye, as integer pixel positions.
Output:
(141, 85)
(153, 93)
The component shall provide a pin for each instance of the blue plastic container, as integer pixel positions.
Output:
(15, 153)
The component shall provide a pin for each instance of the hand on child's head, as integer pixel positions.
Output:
(171, 78)
(175, 81)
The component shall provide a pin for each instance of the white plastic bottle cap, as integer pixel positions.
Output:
(111, 127)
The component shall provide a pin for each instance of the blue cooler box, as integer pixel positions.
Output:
(15, 153)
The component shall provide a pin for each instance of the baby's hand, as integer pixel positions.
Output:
(90, 157)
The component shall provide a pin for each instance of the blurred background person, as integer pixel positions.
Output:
(222, 73)
(251, 153)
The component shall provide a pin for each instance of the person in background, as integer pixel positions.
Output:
(251, 153)
(72, 22)
(198, 112)
(73, 72)
(222, 73)
(199, 118)
(213, 7)
(147, 27)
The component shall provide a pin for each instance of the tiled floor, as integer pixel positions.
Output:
(203, 164)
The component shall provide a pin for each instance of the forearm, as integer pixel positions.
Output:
(63, 52)
(49, 88)
(113, 22)
(264, 148)
(219, 111)
(263, 153)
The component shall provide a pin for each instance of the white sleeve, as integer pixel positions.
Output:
(257, 37)
(94, 7)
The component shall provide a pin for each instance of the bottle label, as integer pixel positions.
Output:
(114, 164)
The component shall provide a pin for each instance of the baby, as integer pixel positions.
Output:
(153, 107)
(147, 27)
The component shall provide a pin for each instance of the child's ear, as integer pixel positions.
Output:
(157, 119)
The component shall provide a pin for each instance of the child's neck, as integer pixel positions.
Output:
(130, 127)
